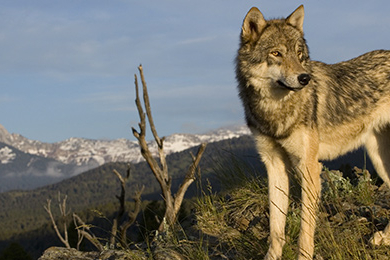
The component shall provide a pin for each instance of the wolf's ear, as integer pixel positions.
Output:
(296, 18)
(253, 25)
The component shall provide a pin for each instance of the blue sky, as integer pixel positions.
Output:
(67, 67)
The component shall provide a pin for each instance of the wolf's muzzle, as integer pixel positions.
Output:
(304, 79)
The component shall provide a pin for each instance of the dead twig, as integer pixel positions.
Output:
(132, 215)
(160, 167)
(85, 231)
(64, 239)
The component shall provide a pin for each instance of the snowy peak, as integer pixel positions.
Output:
(26, 164)
(88, 152)
(80, 151)
(181, 142)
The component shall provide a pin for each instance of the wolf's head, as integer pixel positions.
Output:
(273, 52)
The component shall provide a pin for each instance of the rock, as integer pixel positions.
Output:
(380, 238)
(60, 253)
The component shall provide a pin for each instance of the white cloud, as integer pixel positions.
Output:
(108, 101)
(197, 40)
(8, 99)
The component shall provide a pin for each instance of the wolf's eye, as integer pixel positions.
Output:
(276, 54)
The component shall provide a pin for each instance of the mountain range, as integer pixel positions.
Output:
(27, 164)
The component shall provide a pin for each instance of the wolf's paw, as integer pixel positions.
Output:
(380, 238)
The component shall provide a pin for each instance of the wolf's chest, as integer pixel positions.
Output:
(276, 120)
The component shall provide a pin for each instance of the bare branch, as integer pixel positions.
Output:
(132, 215)
(141, 113)
(148, 109)
(189, 178)
(86, 232)
(80, 235)
(123, 181)
(128, 171)
(155, 167)
(159, 141)
(63, 212)
(63, 240)
(160, 169)
(121, 211)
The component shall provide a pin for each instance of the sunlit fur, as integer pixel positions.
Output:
(297, 120)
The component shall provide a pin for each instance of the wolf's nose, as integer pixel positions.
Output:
(304, 79)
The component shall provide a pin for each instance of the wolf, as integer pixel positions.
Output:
(301, 111)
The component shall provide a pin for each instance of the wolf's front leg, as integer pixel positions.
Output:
(311, 189)
(277, 163)
(278, 190)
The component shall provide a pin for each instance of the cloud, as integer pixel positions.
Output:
(197, 40)
(8, 99)
(108, 101)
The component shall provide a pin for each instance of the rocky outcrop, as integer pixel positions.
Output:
(60, 253)
(159, 253)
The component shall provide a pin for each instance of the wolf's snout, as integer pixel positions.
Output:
(304, 79)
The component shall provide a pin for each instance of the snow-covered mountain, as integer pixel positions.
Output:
(26, 163)
(82, 152)
(19, 170)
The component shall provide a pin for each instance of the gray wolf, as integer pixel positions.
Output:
(301, 111)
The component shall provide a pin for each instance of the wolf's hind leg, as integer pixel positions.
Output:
(378, 148)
